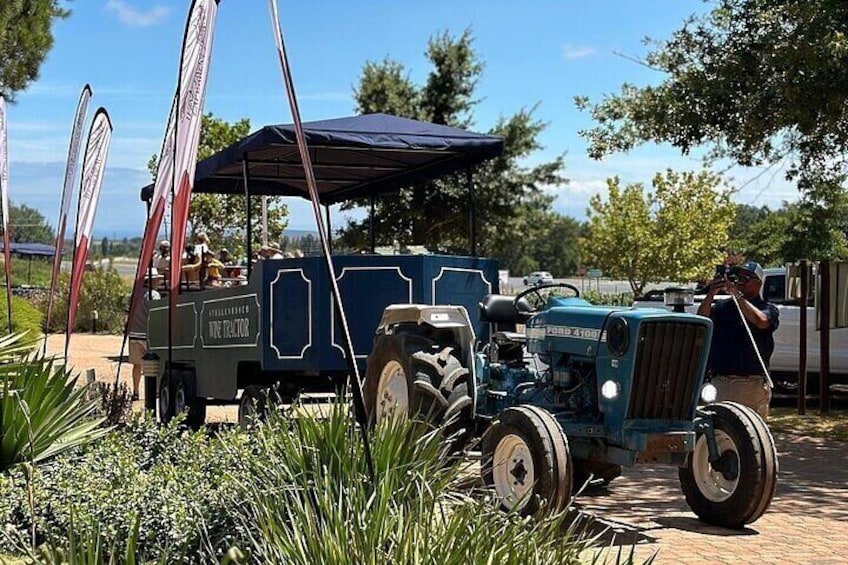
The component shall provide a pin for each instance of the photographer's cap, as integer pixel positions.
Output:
(752, 267)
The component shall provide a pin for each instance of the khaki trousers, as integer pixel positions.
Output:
(749, 390)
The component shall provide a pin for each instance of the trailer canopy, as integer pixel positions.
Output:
(30, 249)
(352, 157)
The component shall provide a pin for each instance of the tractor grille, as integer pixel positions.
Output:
(665, 371)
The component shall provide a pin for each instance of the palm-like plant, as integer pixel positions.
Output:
(42, 412)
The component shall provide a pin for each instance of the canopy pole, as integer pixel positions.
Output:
(371, 235)
(472, 218)
(246, 178)
(329, 228)
(265, 220)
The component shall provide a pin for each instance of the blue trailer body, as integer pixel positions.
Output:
(284, 322)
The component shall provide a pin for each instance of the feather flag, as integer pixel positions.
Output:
(93, 165)
(67, 191)
(4, 206)
(191, 92)
(158, 203)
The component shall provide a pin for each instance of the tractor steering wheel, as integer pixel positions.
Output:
(531, 306)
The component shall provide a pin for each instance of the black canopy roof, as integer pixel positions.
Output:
(32, 249)
(352, 157)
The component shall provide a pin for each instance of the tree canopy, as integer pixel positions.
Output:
(676, 233)
(223, 216)
(25, 39)
(755, 81)
(508, 193)
(28, 225)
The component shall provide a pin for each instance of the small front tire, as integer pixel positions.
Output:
(739, 487)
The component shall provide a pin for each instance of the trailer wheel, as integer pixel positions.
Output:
(165, 397)
(739, 488)
(527, 461)
(409, 376)
(186, 400)
(253, 405)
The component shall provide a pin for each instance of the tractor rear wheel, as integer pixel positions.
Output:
(527, 461)
(738, 488)
(409, 376)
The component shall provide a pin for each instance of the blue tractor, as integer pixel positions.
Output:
(582, 391)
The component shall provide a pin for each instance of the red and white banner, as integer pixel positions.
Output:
(67, 191)
(191, 93)
(4, 206)
(93, 165)
(158, 203)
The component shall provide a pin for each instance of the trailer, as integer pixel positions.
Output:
(279, 334)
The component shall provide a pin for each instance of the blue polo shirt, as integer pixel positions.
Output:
(731, 352)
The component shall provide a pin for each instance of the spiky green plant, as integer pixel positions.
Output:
(311, 500)
(42, 412)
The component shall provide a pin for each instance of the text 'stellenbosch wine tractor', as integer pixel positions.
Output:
(582, 391)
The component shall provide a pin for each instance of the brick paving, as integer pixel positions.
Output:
(806, 523)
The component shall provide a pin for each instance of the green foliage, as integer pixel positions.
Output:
(758, 82)
(104, 290)
(608, 298)
(35, 271)
(25, 39)
(508, 195)
(677, 233)
(42, 413)
(28, 225)
(223, 216)
(26, 318)
(294, 490)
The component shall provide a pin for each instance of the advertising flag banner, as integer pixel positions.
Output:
(67, 191)
(4, 206)
(191, 92)
(158, 202)
(93, 165)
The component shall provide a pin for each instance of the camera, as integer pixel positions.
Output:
(731, 272)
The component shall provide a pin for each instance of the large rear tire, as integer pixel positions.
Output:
(410, 376)
(739, 488)
(165, 397)
(185, 399)
(527, 461)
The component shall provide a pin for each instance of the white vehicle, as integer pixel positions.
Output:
(538, 277)
(784, 361)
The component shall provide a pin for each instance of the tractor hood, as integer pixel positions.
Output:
(573, 326)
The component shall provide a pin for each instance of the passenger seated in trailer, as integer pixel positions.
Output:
(162, 259)
(268, 252)
(214, 269)
(191, 267)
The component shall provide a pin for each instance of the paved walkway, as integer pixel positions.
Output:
(806, 523)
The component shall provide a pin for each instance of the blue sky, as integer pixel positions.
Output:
(535, 52)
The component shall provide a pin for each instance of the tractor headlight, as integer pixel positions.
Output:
(618, 337)
(709, 393)
(609, 390)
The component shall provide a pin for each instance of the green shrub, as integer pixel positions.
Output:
(26, 317)
(608, 298)
(104, 290)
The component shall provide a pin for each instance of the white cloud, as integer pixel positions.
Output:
(134, 17)
(577, 51)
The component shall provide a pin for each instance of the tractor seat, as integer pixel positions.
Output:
(498, 309)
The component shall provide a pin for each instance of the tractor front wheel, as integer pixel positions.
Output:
(253, 405)
(736, 489)
(527, 461)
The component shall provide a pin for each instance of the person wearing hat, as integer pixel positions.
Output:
(138, 335)
(737, 372)
(162, 257)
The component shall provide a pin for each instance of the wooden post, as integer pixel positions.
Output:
(824, 337)
(802, 338)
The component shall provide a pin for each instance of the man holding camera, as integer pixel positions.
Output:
(738, 368)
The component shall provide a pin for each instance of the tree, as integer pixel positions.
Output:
(223, 216)
(28, 225)
(25, 40)
(755, 81)
(435, 214)
(678, 232)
